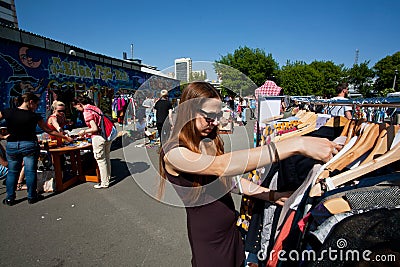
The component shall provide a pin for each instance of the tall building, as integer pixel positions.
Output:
(183, 68)
(8, 15)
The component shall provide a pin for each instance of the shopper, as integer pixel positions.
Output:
(57, 120)
(342, 91)
(4, 168)
(148, 104)
(101, 147)
(163, 111)
(243, 108)
(253, 107)
(3, 162)
(193, 160)
(22, 145)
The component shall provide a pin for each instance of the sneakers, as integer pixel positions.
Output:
(11, 202)
(99, 186)
(8, 202)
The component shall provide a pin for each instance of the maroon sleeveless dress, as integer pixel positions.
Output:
(213, 235)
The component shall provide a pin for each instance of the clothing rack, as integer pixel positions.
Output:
(393, 102)
(263, 219)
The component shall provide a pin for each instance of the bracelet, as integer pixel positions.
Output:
(277, 160)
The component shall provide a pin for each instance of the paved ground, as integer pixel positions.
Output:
(120, 226)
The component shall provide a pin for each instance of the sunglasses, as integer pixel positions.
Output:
(210, 117)
(61, 110)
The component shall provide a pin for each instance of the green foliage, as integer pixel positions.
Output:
(384, 92)
(251, 63)
(361, 76)
(330, 75)
(197, 76)
(246, 69)
(385, 70)
(296, 78)
(318, 78)
(235, 80)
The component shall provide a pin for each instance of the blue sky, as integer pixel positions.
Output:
(162, 31)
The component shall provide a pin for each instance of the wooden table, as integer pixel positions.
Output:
(79, 174)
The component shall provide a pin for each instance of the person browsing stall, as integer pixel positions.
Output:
(101, 147)
(194, 162)
(57, 120)
(23, 147)
(163, 110)
(148, 104)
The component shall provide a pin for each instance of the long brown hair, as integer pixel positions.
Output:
(185, 133)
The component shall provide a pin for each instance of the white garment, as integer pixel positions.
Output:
(339, 110)
(396, 140)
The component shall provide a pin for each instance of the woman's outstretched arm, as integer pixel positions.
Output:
(181, 159)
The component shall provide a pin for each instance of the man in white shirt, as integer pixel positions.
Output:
(342, 91)
(148, 103)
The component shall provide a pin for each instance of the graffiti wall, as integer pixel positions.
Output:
(54, 76)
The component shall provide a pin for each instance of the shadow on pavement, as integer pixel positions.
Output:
(122, 169)
(125, 139)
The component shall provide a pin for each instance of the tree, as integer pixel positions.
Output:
(197, 76)
(235, 80)
(361, 76)
(318, 78)
(330, 75)
(298, 78)
(385, 70)
(253, 63)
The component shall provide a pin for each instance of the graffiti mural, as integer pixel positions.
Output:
(53, 76)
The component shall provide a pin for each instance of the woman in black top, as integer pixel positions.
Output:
(22, 145)
(163, 110)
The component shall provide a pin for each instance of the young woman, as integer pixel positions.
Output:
(57, 120)
(22, 145)
(193, 160)
(101, 147)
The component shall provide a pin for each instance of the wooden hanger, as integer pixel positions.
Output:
(381, 146)
(364, 143)
(346, 127)
(274, 118)
(300, 113)
(306, 117)
(392, 132)
(389, 157)
(337, 121)
(359, 127)
(304, 128)
(350, 131)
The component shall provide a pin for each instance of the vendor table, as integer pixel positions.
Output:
(79, 174)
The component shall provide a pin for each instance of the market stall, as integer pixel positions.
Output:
(73, 163)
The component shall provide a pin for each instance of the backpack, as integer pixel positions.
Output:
(107, 127)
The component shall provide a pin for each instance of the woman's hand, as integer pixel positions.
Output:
(4, 137)
(318, 148)
(280, 197)
(82, 133)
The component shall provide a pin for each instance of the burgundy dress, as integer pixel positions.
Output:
(213, 235)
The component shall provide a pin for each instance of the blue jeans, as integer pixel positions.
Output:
(28, 152)
(244, 118)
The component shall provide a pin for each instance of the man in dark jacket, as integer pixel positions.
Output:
(163, 109)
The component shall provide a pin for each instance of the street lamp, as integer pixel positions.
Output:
(394, 80)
